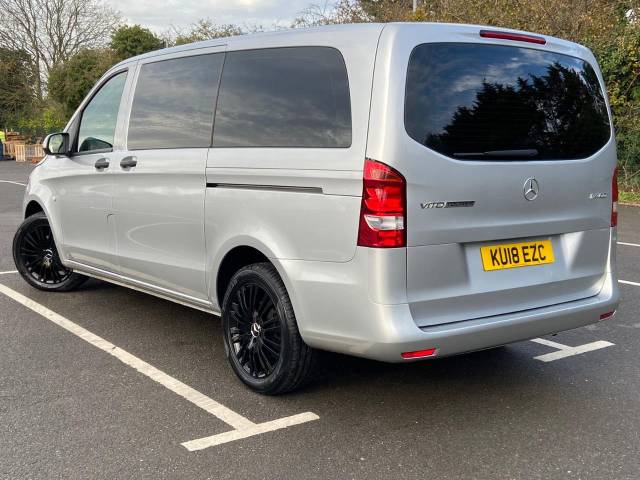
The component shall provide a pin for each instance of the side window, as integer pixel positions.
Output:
(99, 118)
(173, 103)
(284, 97)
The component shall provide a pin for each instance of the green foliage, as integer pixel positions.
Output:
(48, 116)
(630, 197)
(17, 94)
(577, 20)
(70, 82)
(628, 141)
(619, 60)
(129, 41)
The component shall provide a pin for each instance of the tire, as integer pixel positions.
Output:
(37, 260)
(261, 337)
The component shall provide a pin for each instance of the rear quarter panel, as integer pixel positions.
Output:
(311, 210)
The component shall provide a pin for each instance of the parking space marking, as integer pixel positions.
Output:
(8, 272)
(627, 282)
(629, 244)
(564, 351)
(243, 427)
(15, 183)
(206, 442)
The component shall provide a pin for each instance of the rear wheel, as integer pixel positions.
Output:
(36, 257)
(261, 335)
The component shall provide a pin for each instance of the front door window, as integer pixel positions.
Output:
(99, 118)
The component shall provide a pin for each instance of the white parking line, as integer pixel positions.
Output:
(242, 427)
(15, 183)
(629, 244)
(565, 351)
(225, 437)
(8, 272)
(627, 282)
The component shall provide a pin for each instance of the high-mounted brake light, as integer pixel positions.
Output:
(614, 198)
(516, 37)
(383, 207)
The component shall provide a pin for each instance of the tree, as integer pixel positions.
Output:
(205, 29)
(47, 117)
(17, 94)
(70, 82)
(129, 41)
(619, 60)
(51, 31)
(584, 21)
(343, 11)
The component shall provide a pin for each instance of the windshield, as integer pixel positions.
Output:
(494, 102)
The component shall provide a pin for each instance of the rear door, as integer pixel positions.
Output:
(160, 179)
(505, 145)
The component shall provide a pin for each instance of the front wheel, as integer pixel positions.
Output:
(261, 335)
(36, 257)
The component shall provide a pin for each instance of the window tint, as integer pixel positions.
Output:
(491, 102)
(99, 118)
(173, 103)
(284, 97)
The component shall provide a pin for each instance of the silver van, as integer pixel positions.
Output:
(391, 191)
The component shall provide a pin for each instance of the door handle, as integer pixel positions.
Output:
(128, 162)
(101, 163)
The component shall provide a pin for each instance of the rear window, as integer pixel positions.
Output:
(494, 102)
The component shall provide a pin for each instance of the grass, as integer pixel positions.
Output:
(627, 196)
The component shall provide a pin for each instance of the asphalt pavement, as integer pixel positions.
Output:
(72, 409)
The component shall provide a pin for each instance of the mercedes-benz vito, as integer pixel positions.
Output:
(396, 192)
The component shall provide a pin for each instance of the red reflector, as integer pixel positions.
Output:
(517, 37)
(614, 198)
(420, 353)
(607, 315)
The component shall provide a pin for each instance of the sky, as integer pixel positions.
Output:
(161, 15)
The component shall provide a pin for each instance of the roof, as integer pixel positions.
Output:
(295, 36)
(344, 35)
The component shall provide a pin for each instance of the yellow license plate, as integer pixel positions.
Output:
(512, 255)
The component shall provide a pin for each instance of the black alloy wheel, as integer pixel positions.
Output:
(255, 330)
(261, 337)
(36, 257)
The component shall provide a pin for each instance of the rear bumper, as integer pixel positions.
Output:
(478, 334)
(342, 318)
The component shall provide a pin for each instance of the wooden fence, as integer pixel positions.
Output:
(23, 152)
(10, 147)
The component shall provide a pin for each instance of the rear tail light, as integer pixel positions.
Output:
(516, 37)
(383, 208)
(614, 198)
(429, 352)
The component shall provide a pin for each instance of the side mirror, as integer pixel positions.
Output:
(56, 144)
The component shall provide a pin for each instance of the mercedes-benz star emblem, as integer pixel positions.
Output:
(531, 189)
